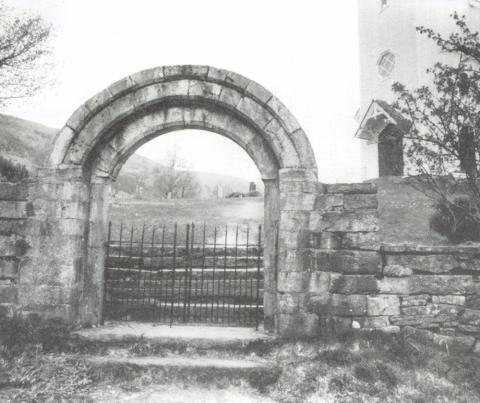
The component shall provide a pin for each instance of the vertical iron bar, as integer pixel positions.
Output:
(150, 288)
(173, 271)
(185, 282)
(235, 309)
(202, 294)
(213, 275)
(121, 284)
(163, 282)
(224, 275)
(142, 307)
(192, 228)
(130, 267)
(106, 272)
(245, 315)
(258, 274)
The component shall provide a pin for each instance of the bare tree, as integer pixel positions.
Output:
(24, 54)
(174, 178)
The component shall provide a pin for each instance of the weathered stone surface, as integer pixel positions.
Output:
(360, 240)
(452, 344)
(328, 202)
(396, 270)
(337, 304)
(13, 191)
(302, 324)
(348, 262)
(290, 259)
(351, 188)
(432, 309)
(293, 281)
(8, 293)
(436, 264)
(472, 301)
(424, 320)
(373, 321)
(428, 284)
(293, 220)
(344, 222)
(354, 284)
(360, 201)
(469, 329)
(449, 299)
(320, 282)
(471, 317)
(8, 268)
(290, 303)
(383, 305)
(415, 300)
(13, 209)
(30, 294)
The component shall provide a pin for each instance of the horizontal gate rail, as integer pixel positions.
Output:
(185, 275)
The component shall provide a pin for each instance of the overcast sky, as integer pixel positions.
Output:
(305, 52)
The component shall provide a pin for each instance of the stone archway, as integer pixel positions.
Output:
(99, 137)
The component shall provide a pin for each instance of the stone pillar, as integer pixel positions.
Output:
(92, 297)
(298, 188)
(271, 220)
(51, 272)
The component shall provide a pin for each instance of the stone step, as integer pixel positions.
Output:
(201, 337)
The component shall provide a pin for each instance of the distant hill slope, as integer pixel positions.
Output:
(25, 142)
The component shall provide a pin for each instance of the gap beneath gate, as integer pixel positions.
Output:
(184, 274)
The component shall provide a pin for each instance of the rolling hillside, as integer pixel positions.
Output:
(25, 142)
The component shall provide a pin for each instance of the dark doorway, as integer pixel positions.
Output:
(390, 152)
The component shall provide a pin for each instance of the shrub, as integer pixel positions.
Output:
(456, 221)
(12, 172)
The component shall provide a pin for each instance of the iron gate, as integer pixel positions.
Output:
(214, 275)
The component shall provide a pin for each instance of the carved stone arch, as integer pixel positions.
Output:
(101, 134)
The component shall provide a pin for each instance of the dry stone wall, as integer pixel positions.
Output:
(14, 213)
(358, 282)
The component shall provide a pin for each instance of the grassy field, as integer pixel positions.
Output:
(220, 213)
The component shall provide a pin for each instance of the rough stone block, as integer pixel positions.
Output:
(360, 201)
(8, 293)
(291, 259)
(344, 222)
(383, 305)
(428, 284)
(436, 264)
(354, 284)
(293, 281)
(449, 299)
(297, 201)
(320, 282)
(13, 209)
(472, 301)
(328, 202)
(396, 270)
(457, 344)
(351, 188)
(290, 303)
(8, 268)
(431, 309)
(284, 114)
(471, 317)
(360, 240)
(348, 262)
(423, 320)
(337, 304)
(300, 324)
(13, 191)
(7, 245)
(415, 300)
(30, 294)
(373, 322)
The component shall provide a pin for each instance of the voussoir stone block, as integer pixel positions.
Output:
(383, 305)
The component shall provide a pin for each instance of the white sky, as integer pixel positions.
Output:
(303, 51)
